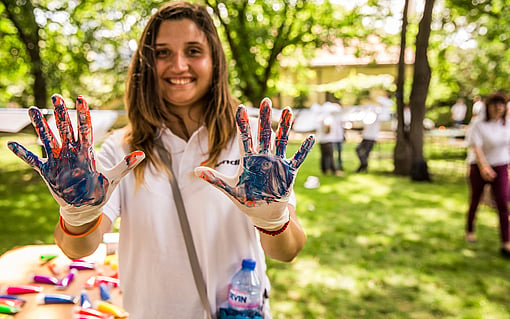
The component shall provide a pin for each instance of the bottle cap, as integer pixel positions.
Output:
(249, 263)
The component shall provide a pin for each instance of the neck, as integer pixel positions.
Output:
(183, 122)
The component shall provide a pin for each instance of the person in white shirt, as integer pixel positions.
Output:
(488, 159)
(330, 136)
(458, 112)
(237, 195)
(371, 130)
(478, 111)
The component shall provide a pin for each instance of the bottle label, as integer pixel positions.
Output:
(241, 299)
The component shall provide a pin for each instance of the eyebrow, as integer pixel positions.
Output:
(188, 43)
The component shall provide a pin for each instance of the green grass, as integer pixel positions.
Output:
(378, 245)
(28, 212)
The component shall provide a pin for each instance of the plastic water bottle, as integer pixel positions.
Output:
(245, 290)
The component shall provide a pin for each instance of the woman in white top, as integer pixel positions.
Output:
(178, 101)
(488, 156)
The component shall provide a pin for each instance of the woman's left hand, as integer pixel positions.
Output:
(263, 184)
(488, 173)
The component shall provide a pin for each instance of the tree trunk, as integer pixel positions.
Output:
(402, 154)
(421, 81)
(23, 18)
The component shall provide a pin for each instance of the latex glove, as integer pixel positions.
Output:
(263, 184)
(70, 169)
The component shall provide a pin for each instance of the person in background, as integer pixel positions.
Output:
(338, 133)
(488, 157)
(478, 109)
(458, 112)
(329, 135)
(325, 140)
(371, 130)
(237, 195)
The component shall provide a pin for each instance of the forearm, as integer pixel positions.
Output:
(286, 245)
(480, 157)
(78, 242)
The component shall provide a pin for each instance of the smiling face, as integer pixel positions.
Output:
(183, 63)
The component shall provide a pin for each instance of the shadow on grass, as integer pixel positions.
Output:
(382, 246)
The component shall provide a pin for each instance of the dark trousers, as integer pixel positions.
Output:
(327, 158)
(499, 189)
(338, 146)
(363, 151)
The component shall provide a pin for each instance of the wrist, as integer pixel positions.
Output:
(79, 231)
(274, 232)
(273, 223)
(485, 167)
(80, 216)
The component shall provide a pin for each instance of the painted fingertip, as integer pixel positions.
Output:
(13, 146)
(57, 99)
(204, 174)
(287, 112)
(241, 110)
(310, 141)
(34, 113)
(266, 102)
(134, 158)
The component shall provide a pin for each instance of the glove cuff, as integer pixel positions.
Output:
(90, 231)
(274, 224)
(275, 232)
(78, 216)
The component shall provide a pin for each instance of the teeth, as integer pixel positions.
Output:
(179, 81)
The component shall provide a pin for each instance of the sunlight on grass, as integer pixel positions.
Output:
(327, 278)
(373, 240)
(432, 214)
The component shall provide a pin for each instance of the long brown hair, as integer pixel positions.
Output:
(147, 112)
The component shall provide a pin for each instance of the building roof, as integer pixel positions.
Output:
(356, 52)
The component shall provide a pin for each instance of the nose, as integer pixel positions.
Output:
(179, 63)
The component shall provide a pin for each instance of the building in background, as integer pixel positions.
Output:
(329, 71)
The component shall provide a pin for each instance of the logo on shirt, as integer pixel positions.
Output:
(229, 162)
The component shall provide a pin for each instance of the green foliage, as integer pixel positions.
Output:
(86, 46)
(440, 115)
(257, 33)
(473, 47)
(14, 70)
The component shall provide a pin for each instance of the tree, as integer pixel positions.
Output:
(403, 149)
(21, 14)
(72, 48)
(478, 63)
(419, 91)
(257, 32)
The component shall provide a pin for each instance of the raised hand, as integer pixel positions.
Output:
(70, 169)
(264, 181)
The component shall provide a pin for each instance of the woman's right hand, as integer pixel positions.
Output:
(70, 168)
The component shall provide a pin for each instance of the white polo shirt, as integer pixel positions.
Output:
(155, 274)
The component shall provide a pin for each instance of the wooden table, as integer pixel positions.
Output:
(17, 266)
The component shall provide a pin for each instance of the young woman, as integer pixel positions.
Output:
(489, 146)
(178, 101)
